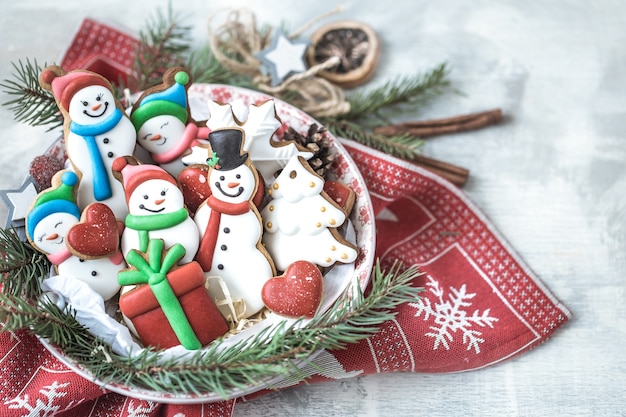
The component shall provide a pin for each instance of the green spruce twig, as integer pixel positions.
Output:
(205, 68)
(163, 44)
(21, 266)
(273, 353)
(404, 146)
(396, 97)
(373, 108)
(30, 103)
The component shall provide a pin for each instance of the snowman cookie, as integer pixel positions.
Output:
(301, 220)
(156, 208)
(96, 131)
(164, 127)
(54, 217)
(230, 225)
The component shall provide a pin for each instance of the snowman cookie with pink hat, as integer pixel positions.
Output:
(96, 131)
(54, 221)
(164, 126)
(156, 209)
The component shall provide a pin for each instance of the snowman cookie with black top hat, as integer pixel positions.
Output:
(96, 131)
(230, 225)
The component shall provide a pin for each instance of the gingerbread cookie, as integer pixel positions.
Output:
(54, 221)
(301, 220)
(96, 131)
(164, 126)
(156, 208)
(230, 226)
(169, 304)
(297, 293)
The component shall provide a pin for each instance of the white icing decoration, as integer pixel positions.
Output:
(50, 233)
(100, 274)
(184, 233)
(259, 127)
(235, 185)
(49, 237)
(120, 140)
(298, 221)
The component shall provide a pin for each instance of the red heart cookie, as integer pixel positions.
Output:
(97, 233)
(296, 293)
(195, 186)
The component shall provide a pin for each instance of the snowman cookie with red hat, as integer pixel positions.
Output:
(164, 126)
(156, 209)
(96, 131)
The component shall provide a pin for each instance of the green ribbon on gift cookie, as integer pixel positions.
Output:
(154, 273)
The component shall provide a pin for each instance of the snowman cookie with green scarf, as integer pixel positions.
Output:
(156, 209)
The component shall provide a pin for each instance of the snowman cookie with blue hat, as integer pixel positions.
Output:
(96, 131)
(162, 119)
(53, 217)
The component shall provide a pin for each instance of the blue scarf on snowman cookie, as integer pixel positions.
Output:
(101, 183)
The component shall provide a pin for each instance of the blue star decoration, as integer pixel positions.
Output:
(18, 202)
(283, 58)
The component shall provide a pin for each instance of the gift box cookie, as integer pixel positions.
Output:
(170, 306)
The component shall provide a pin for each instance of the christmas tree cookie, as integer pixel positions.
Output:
(301, 220)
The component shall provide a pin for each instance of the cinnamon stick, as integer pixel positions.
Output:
(455, 174)
(435, 127)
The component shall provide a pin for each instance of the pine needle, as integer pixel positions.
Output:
(21, 266)
(272, 353)
(31, 104)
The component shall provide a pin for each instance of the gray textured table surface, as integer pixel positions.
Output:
(552, 178)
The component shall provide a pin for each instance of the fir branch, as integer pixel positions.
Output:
(21, 266)
(206, 68)
(399, 96)
(31, 104)
(402, 146)
(163, 44)
(273, 353)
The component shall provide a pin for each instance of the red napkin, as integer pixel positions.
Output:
(481, 304)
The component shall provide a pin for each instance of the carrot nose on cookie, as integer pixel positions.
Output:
(156, 137)
(96, 106)
(159, 202)
(53, 236)
(233, 184)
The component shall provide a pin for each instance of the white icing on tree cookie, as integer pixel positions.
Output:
(300, 221)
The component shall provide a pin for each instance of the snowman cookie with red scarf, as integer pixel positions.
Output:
(230, 225)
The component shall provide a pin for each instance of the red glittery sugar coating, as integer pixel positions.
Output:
(97, 234)
(296, 293)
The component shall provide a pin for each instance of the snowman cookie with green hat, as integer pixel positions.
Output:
(163, 122)
(49, 224)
